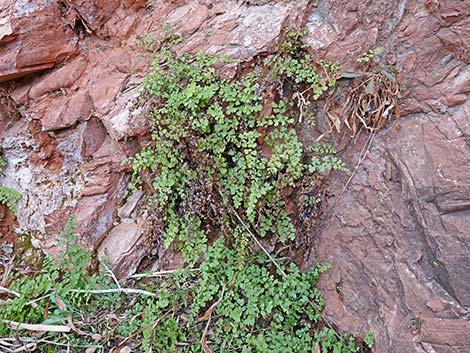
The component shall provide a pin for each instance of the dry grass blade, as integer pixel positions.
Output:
(62, 306)
(301, 103)
(8, 291)
(116, 290)
(208, 316)
(158, 273)
(6, 346)
(138, 332)
(37, 327)
(28, 344)
(29, 347)
(113, 276)
(7, 267)
(258, 242)
(209, 311)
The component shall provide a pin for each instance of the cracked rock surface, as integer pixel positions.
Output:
(399, 236)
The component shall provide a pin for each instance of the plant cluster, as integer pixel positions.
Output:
(218, 308)
(217, 148)
(52, 285)
(369, 340)
(8, 196)
(2, 161)
(220, 163)
(247, 310)
(369, 55)
(370, 104)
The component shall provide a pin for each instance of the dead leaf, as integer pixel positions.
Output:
(317, 348)
(125, 349)
(60, 303)
(62, 306)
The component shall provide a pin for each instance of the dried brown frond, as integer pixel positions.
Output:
(370, 105)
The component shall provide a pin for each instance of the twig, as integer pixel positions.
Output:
(5, 340)
(112, 275)
(31, 302)
(37, 327)
(9, 291)
(30, 347)
(208, 316)
(158, 273)
(7, 267)
(258, 242)
(142, 329)
(115, 290)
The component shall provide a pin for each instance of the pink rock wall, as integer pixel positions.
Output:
(398, 238)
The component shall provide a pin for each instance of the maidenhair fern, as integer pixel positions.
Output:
(209, 130)
(10, 198)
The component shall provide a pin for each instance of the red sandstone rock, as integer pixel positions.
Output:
(93, 137)
(59, 111)
(7, 225)
(32, 38)
(124, 246)
(397, 238)
(56, 220)
(95, 13)
(47, 155)
(61, 78)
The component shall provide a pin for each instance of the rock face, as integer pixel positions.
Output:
(398, 237)
(32, 37)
